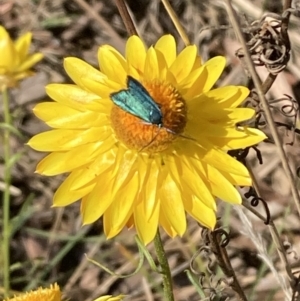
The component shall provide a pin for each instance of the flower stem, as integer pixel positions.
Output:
(6, 195)
(165, 268)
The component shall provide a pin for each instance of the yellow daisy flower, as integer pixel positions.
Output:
(41, 294)
(54, 294)
(15, 61)
(145, 170)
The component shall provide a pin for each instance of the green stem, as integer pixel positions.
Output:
(165, 268)
(6, 195)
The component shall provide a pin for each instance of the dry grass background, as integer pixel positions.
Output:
(48, 245)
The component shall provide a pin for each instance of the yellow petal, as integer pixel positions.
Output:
(149, 189)
(58, 115)
(22, 45)
(201, 213)
(30, 61)
(151, 65)
(231, 116)
(135, 56)
(214, 68)
(96, 203)
(218, 184)
(110, 298)
(210, 73)
(187, 87)
(102, 164)
(21, 75)
(225, 97)
(221, 117)
(241, 138)
(184, 63)
(64, 196)
(219, 130)
(237, 179)
(77, 98)
(197, 63)
(163, 221)
(167, 46)
(118, 213)
(78, 69)
(102, 88)
(61, 162)
(162, 66)
(175, 170)
(64, 139)
(9, 57)
(193, 183)
(172, 205)
(146, 226)
(225, 163)
(126, 166)
(112, 64)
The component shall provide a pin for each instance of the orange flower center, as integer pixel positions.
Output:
(137, 134)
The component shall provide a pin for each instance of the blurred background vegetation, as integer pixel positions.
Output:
(49, 244)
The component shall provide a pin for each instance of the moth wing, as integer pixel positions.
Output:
(147, 107)
(123, 99)
(137, 101)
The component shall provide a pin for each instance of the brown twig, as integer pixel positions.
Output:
(218, 248)
(287, 4)
(126, 17)
(285, 23)
(267, 84)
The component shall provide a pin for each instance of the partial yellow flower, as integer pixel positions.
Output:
(130, 170)
(110, 298)
(15, 61)
(41, 294)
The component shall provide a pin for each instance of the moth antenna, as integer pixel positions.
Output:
(160, 126)
(153, 139)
